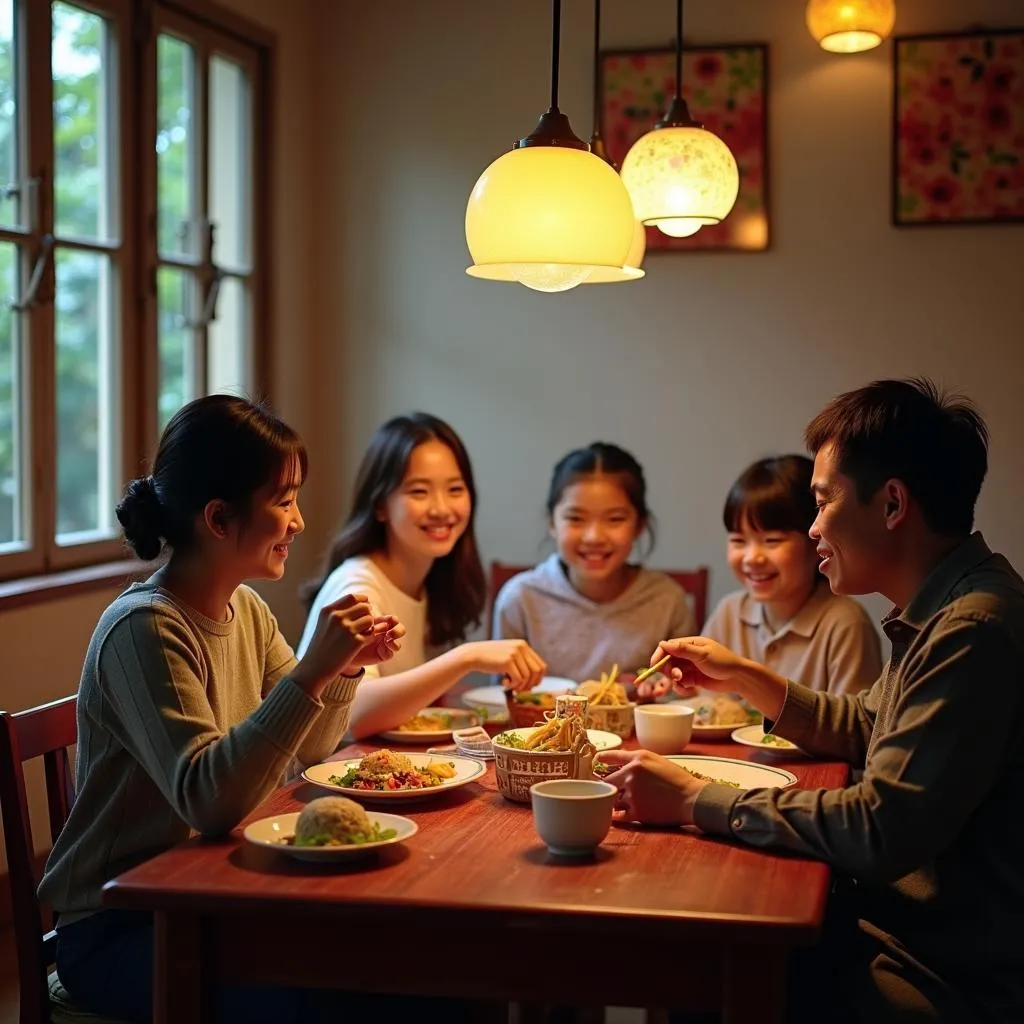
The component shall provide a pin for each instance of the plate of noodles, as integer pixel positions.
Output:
(755, 736)
(330, 828)
(728, 771)
(432, 725)
(387, 775)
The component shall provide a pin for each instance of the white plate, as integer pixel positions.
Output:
(745, 773)
(705, 733)
(466, 770)
(493, 697)
(272, 832)
(753, 736)
(602, 740)
(460, 719)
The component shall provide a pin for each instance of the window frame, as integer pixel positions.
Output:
(135, 24)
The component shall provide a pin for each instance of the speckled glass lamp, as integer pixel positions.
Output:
(850, 26)
(550, 213)
(680, 176)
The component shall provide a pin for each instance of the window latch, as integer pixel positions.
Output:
(28, 300)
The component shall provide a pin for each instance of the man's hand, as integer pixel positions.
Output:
(652, 789)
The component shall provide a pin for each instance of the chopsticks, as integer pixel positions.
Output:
(656, 667)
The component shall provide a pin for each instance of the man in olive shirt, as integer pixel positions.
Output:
(932, 832)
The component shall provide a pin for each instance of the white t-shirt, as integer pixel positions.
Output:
(360, 575)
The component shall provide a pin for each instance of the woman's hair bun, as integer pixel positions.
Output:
(140, 514)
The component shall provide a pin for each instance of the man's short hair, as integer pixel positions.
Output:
(935, 442)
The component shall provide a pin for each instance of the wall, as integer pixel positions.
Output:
(712, 360)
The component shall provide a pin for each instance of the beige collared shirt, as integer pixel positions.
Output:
(830, 644)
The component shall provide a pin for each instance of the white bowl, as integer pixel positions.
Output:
(663, 728)
(572, 816)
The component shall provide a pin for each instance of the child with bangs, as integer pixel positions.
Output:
(786, 616)
(588, 606)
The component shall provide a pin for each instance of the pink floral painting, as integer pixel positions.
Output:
(959, 128)
(725, 88)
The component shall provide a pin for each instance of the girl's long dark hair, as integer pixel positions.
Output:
(456, 588)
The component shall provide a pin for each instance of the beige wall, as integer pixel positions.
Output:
(712, 360)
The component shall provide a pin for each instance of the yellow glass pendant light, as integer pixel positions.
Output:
(549, 214)
(680, 176)
(850, 26)
(631, 270)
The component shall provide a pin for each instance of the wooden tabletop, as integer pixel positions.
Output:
(477, 856)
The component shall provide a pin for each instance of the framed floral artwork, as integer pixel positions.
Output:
(726, 88)
(958, 128)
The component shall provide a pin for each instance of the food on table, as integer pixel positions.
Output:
(384, 770)
(560, 735)
(540, 700)
(718, 782)
(336, 821)
(769, 739)
(723, 711)
(432, 721)
(606, 692)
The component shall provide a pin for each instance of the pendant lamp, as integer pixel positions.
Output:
(680, 176)
(850, 26)
(550, 213)
(631, 270)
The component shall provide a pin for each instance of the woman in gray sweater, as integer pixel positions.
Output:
(191, 703)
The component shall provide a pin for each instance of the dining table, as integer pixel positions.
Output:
(475, 907)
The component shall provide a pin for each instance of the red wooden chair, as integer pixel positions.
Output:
(46, 731)
(693, 581)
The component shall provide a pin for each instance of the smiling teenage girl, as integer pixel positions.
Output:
(587, 607)
(409, 545)
(191, 703)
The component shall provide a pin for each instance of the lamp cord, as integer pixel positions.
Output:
(556, 35)
(597, 57)
(679, 49)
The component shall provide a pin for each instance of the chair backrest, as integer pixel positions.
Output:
(693, 581)
(46, 732)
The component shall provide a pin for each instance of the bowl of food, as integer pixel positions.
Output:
(717, 716)
(558, 749)
(609, 707)
(528, 707)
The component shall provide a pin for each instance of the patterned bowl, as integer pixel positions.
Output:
(517, 770)
(614, 718)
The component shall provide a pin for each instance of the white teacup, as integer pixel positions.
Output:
(572, 816)
(663, 728)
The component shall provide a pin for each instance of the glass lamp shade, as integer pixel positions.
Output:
(631, 270)
(850, 26)
(548, 217)
(681, 178)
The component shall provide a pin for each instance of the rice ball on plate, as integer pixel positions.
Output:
(385, 762)
(331, 821)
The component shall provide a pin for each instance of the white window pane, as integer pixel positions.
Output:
(87, 385)
(13, 481)
(178, 232)
(228, 340)
(82, 133)
(230, 163)
(175, 342)
(10, 171)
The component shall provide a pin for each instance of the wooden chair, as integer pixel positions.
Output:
(46, 731)
(693, 581)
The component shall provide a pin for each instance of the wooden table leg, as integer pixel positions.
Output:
(181, 991)
(754, 986)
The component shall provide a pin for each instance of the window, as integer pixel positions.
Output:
(131, 255)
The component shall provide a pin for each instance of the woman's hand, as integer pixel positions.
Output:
(652, 790)
(516, 660)
(693, 662)
(343, 629)
(385, 642)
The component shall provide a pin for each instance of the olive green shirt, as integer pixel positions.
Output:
(932, 832)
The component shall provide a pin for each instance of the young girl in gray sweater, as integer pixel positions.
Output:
(587, 606)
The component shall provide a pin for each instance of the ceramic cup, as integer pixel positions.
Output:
(663, 728)
(572, 816)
